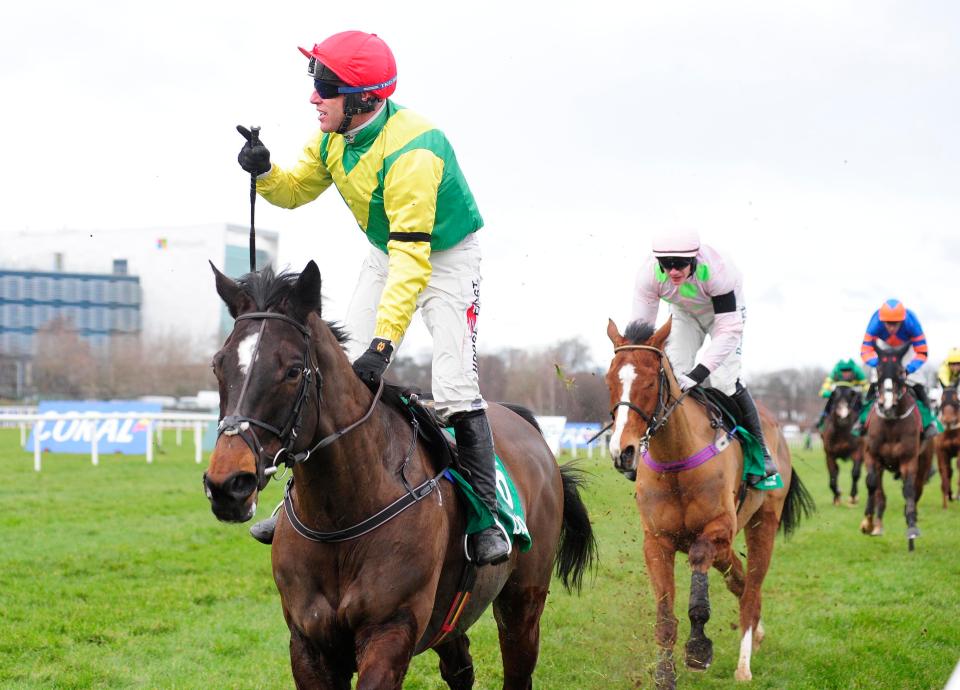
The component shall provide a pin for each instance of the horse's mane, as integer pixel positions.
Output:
(638, 332)
(270, 290)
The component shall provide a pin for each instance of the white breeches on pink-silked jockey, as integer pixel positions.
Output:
(450, 307)
(687, 334)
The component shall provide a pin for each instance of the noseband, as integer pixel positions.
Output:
(237, 424)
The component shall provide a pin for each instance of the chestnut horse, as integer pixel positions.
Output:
(894, 442)
(947, 444)
(694, 510)
(839, 441)
(369, 549)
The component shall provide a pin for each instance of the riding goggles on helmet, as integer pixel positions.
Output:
(329, 85)
(674, 263)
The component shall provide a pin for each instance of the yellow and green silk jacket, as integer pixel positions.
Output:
(401, 180)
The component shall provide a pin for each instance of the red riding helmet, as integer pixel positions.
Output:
(360, 59)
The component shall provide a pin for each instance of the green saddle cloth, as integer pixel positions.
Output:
(926, 416)
(753, 461)
(510, 514)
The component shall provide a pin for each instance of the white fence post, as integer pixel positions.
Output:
(149, 441)
(197, 442)
(23, 434)
(95, 447)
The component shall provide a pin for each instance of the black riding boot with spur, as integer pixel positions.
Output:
(751, 422)
(475, 448)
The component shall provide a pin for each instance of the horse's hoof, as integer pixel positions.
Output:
(836, 500)
(866, 525)
(877, 531)
(665, 676)
(743, 674)
(913, 532)
(852, 501)
(699, 654)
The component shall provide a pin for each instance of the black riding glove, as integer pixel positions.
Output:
(370, 366)
(254, 156)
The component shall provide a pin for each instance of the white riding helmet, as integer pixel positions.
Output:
(677, 242)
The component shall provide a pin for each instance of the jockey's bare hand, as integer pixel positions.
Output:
(254, 156)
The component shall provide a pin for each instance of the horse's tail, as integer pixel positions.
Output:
(578, 546)
(799, 504)
(525, 413)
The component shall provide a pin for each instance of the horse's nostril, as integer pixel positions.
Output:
(626, 457)
(240, 485)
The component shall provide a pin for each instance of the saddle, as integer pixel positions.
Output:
(724, 410)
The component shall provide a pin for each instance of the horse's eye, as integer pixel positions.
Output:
(294, 373)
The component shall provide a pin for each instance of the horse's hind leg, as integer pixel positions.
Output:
(517, 610)
(834, 471)
(699, 649)
(456, 664)
(943, 466)
(910, 490)
(759, 533)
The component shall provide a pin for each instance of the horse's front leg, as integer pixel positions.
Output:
(702, 554)
(659, 554)
(910, 479)
(834, 471)
(384, 651)
(868, 526)
(943, 467)
(313, 669)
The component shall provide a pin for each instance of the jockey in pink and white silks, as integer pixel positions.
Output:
(705, 291)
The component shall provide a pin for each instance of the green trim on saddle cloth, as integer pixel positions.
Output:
(753, 461)
(509, 509)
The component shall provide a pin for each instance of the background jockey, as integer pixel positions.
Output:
(895, 325)
(949, 373)
(401, 179)
(845, 372)
(704, 290)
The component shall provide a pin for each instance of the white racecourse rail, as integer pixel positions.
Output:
(154, 420)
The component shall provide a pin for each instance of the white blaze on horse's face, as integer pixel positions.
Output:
(627, 375)
(888, 394)
(843, 410)
(245, 351)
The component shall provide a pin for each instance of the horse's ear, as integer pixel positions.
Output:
(231, 293)
(660, 337)
(614, 334)
(305, 297)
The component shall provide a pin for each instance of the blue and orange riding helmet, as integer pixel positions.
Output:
(892, 311)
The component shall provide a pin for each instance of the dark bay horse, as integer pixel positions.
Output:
(947, 444)
(369, 549)
(695, 510)
(894, 442)
(839, 441)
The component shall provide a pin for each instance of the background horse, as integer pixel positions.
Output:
(947, 444)
(368, 554)
(894, 441)
(838, 439)
(695, 510)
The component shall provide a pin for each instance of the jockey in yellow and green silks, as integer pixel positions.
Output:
(845, 372)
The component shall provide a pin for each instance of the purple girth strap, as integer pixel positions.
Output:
(694, 460)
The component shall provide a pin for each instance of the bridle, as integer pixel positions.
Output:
(664, 407)
(238, 424)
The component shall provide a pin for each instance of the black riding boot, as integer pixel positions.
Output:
(751, 422)
(263, 531)
(921, 392)
(475, 448)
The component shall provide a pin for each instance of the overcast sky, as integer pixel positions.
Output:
(816, 142)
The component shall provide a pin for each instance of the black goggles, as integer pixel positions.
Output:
(674, 263)
(327, 89)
